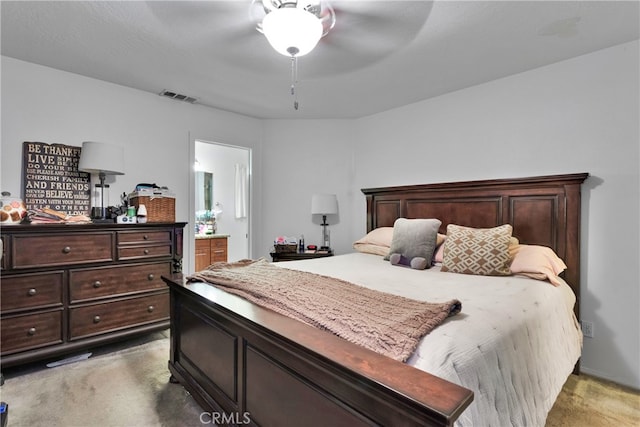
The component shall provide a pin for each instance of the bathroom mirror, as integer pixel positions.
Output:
(204, 191)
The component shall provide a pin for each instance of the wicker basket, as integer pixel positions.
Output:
(286, 248)
(159, 208)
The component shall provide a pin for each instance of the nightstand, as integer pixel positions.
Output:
(294, 256)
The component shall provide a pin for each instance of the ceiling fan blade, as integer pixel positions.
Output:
(205, 20)
(382, 26)
(367, 31)
(395, 13)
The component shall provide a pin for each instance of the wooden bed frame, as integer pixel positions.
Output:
(246, 364)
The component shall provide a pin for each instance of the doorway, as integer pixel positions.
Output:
(227, 170)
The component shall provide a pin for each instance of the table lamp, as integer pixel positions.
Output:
(103, 159)
(324, 204)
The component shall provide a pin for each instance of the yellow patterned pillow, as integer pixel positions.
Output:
(481, 251)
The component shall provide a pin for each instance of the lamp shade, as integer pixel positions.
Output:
(99, 157)
(292, 31)
(324, 204)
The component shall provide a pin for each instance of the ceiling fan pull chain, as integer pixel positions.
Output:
(294, 80)
(293, 75)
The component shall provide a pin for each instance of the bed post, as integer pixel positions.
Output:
(370, 213)
(573, 208)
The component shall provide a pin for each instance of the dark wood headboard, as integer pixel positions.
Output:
(543, 210)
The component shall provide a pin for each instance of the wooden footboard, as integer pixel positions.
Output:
(248, 365)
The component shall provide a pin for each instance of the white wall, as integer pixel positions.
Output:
(304, 157)
(47, 105)
(580, 115)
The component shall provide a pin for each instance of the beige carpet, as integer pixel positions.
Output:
(586, 401)
(124, 386)
(128, 387)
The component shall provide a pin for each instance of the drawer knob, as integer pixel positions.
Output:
(97, 284)
(146, 251)
(145, 237)
(31, 331)
(66, 249)
(151, 277)
(150, 309)
(96, 319)
(32, 292)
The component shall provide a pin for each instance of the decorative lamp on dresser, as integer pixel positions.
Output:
(66, 288)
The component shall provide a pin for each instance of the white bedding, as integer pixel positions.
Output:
(514, 344)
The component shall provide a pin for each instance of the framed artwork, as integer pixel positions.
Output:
(51, 178)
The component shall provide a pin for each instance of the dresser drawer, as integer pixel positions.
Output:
(219, 250)
(203, 244)
(108, 317)
(219, 255)
(142, 252)
(3, 252)
(219, 243)
(93, 283)
(140, 237)
(31, 291)
(32, 331)
(60, 249)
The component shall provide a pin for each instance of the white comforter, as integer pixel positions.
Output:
(514, 344)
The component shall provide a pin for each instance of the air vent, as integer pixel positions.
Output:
(178, 96)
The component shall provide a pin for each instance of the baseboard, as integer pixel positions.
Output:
(602, 377)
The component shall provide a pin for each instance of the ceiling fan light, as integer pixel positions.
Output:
(292, 31)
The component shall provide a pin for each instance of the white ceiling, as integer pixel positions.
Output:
(380, 55)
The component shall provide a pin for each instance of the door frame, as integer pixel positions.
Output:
(192, 212)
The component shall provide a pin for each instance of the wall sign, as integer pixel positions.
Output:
(51, 178)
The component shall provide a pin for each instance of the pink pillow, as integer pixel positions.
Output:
(377, 241)
(367, 248)
(439, 255)
(539, 262)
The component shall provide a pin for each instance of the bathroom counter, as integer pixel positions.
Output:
(212, 236)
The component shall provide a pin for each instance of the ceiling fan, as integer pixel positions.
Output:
(293, 28)
(354, 34)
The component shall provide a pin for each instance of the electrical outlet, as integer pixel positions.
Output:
(587, 328)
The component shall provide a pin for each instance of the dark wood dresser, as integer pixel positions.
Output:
(66, 288)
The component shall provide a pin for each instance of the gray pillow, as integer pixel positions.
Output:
(413, 238)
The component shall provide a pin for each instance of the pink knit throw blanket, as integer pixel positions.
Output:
(387, 324)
